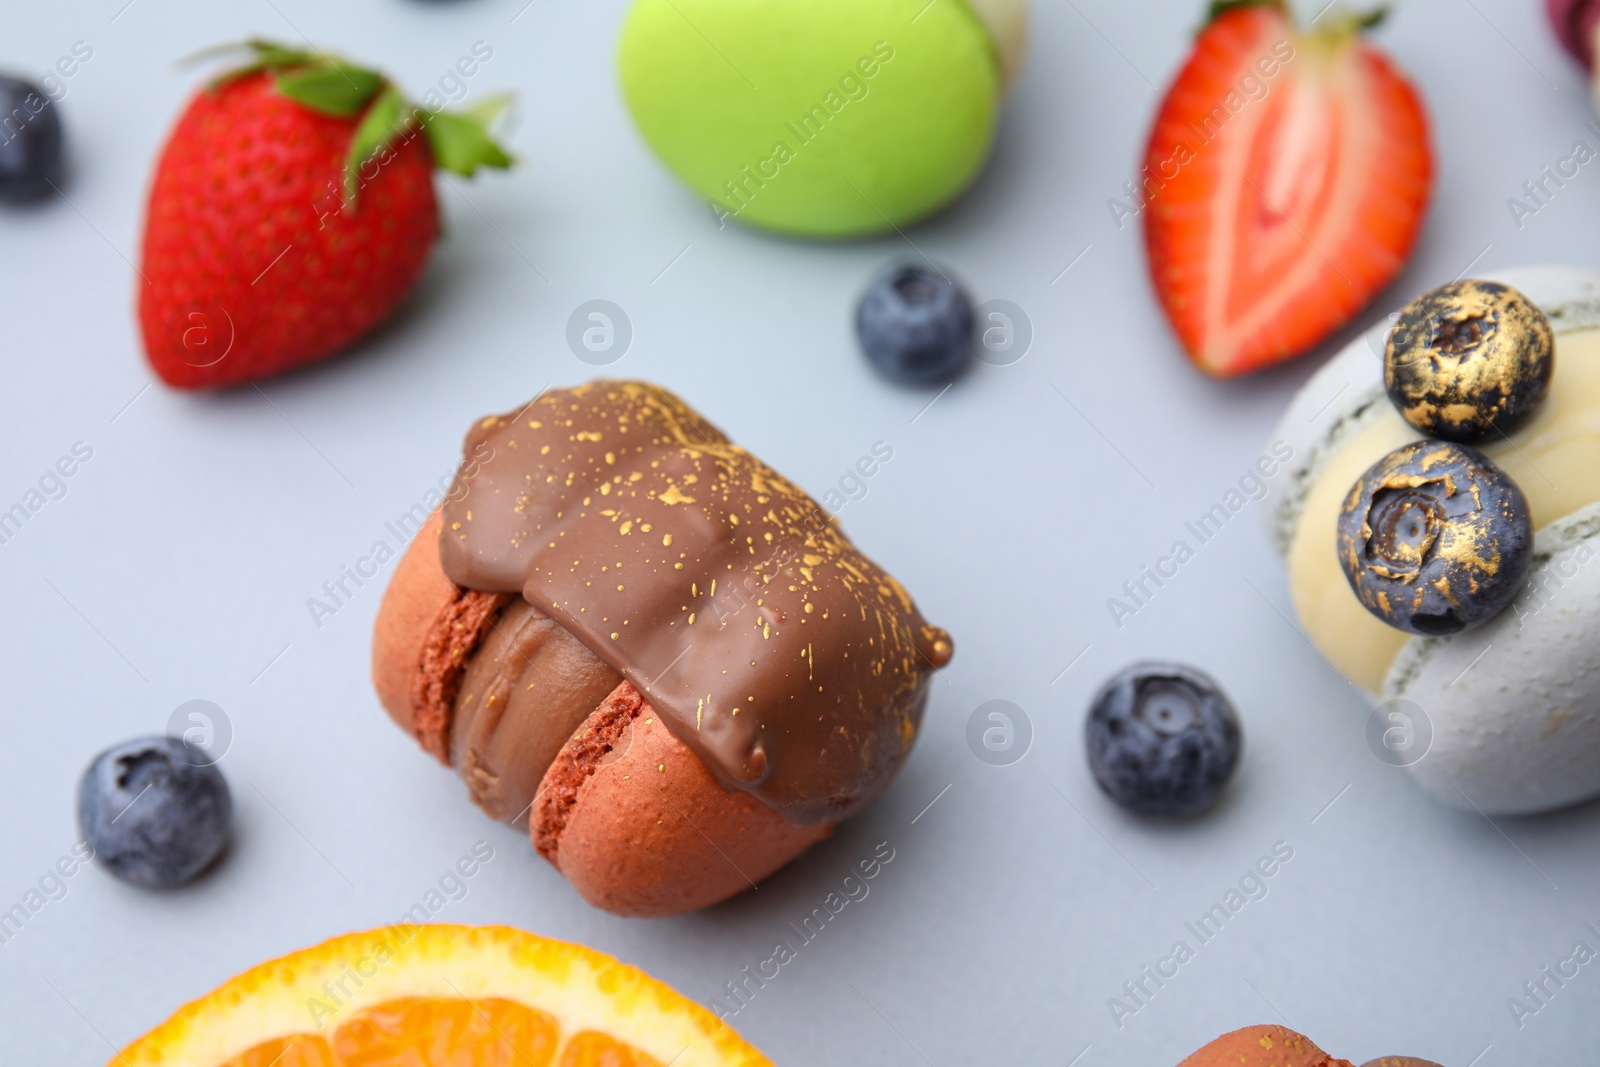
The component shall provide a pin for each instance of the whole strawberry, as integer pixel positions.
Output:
(291, 211)
(1284, 185)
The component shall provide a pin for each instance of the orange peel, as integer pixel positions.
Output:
(437, 995)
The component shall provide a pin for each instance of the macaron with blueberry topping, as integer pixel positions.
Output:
(1513, 700)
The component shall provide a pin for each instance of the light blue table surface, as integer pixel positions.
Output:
(179, 563)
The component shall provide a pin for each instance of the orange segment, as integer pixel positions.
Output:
(442, 996)
(301, 1050)
(430, 1032)
(590, 1049)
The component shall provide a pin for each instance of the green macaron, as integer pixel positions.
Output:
(820, 118)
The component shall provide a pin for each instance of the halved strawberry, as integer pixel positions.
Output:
(1285, 184)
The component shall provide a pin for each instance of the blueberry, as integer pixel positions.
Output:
(1163, 739)
(154, 811)
(30, 140)
(915, 325)
(1435, 539)
(1469, 359)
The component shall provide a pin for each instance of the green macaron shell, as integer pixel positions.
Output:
(820, 118)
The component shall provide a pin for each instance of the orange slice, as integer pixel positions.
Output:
(442, 996)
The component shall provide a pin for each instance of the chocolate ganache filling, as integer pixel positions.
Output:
(789, 662)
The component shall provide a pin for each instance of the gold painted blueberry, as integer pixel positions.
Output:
(1435, 539)
(1467, 359)
(1163, 739)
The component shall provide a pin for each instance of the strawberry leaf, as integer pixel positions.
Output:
(488, 111)
(331, 88)
(272, 54)
(461, 142)
(264, 55)
(383, 123)
(1219, 8)
(1373, 18)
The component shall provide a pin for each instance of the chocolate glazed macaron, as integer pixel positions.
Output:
(655, 652)
(1278, 1046)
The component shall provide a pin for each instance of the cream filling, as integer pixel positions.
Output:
(1555, 458)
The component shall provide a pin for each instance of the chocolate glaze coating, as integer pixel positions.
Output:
(792, 665)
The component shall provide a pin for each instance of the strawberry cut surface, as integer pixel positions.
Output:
(253, 263)
(1286, 177)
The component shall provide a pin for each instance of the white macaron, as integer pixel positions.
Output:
(1509, 717)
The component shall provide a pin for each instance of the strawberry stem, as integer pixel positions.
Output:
(1343, 26)
(1340, 28)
